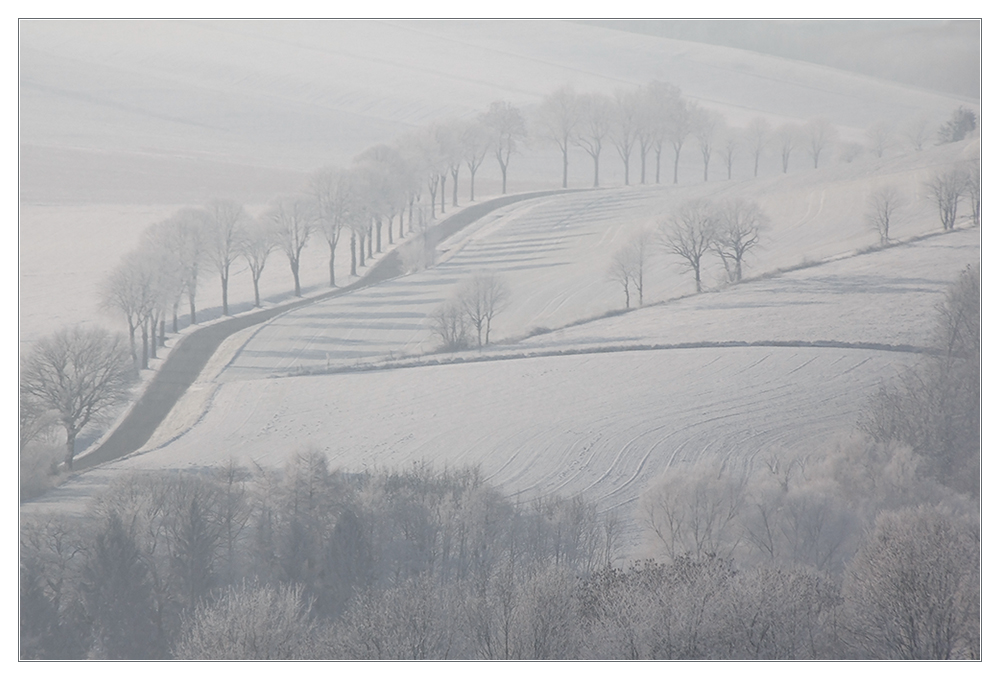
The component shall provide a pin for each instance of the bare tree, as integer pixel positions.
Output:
(695, 510)
(476, 142)
(332, 189)
(679, 125)
(452, 150)
(738, 232)
(880, 136)
(661, 99)
(259, 241)
(294, 219)
(482, 297)
(184, 234)
(913, 589)
(946, 188)
(559, 117)
(127, 290)
(706, 125)
(973, 179)
(508, 129)
(787, 137)
(222, 238)
(916, 131)
(628, 265)
(821, 134)
(882, 204)
(596, 111)
(689, 234)
(251, 621)
(81, 373)
(758, 134)
(730, 145)
(626, 123)
(450, 322)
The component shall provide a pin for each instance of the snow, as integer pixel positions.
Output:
(123, 123)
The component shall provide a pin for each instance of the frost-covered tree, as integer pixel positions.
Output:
(626, 123)
(476, 143)
(821, 134)
(331, 188)
(706, 124)
(882, 205)
(946, 188)
(294, 220)
(508, 129)
(596, 115)
(661, 98)
(450, 323)
(689, 233)
(913, 589)
(223, 227)
(787, 138)
(81, 373)
(483, 297)
(250, 621)
(628, 265)
(559, 117)
(679, 124)
(740, 222)
(758, 134)
(880, 136)
(259, 241)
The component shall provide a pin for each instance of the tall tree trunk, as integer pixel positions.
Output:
(370, 227)
(658, 152)
(677, 162)
(642, 164)
(224, 276)
(177, 304)
(454, 187)
(163, 332)
(472, 185)
(294, 263)
(388, 227)
(597, 161)
(625, 160)
(70, 447)
(565, 150)
(378, 235)
(152, 336)
(256, 289)
(444, 183)
(354, 257)
(191, 308)
(333, 279)
(145, 345)
(361, 250)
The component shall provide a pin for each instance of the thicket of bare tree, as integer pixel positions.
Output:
(476, 303)
(934, 407)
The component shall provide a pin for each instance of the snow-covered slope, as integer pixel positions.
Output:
(122, 122)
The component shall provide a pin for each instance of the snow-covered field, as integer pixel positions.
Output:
(121, 131)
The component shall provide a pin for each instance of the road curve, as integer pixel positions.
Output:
(193, 351)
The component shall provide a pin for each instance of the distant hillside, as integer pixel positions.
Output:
(179, 111)
(937, 55)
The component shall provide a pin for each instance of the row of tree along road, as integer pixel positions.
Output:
(392, 190)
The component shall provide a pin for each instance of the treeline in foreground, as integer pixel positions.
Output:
(868, 550)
